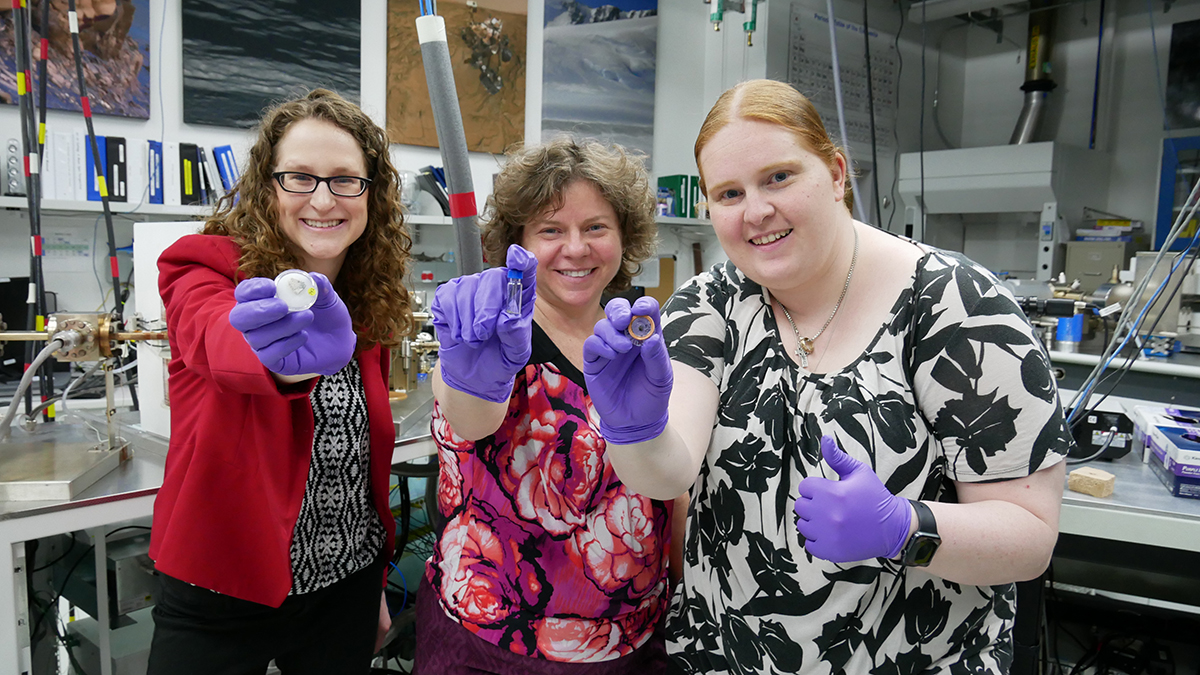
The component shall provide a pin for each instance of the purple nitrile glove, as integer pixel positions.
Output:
(854, 518)
(482, 347)
(630, 385)
(317, 340)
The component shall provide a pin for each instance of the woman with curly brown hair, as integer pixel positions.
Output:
(272, 528)
(547, 563)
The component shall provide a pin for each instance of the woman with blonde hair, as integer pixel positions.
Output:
(868, 425)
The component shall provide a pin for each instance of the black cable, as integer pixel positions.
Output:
(405, 513)
(1096, 82)
(895, 127)
(1130, 358)
(67, 577)
(62, 639)
(44, 56)
(56, 560)
(85, 104)
(1088, 659)
(22, 32)
(921, 140)
(871, 113)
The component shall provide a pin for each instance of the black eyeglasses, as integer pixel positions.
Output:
(306, 183)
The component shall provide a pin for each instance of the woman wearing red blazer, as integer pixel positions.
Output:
(272, 528)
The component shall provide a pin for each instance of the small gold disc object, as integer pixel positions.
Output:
(641, 327)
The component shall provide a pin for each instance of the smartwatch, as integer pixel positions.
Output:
(923, 543)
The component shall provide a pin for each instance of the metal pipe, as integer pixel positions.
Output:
(23, 336)
(140, 335)
(33, 336)
(1030, 118)
(403, 442)
(1038, 80)
(452, 140)
(110, 407)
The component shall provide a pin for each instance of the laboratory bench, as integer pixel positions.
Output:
(125, 493)
(1172, 379)
(1139, 526)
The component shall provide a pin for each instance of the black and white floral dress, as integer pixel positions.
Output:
(955, 387)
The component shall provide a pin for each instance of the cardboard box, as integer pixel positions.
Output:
(1180, 486)
(1167, 447)
(1147, 418)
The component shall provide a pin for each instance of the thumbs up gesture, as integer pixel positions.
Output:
(854, 518)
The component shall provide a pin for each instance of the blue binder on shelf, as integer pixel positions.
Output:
(154, 170)
(93, 188)
(226, 166)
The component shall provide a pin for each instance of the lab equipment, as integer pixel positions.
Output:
(1070, 333)
(297, 289)
(640, 329)
(512, 299)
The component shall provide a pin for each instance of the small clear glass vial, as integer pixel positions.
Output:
(512, 298)
(297, 289)
(641, 327)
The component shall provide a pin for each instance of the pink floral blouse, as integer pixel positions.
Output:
(545, 552)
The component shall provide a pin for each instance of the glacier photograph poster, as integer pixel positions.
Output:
(598, 72)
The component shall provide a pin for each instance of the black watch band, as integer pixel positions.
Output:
(923, 543)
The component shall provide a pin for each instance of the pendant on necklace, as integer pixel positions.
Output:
(804, 347)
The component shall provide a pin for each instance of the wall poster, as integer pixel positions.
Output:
(241, 57)
(599, 69)
(487, 52)
(115, 40)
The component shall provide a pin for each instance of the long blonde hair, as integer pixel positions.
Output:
(776, 103)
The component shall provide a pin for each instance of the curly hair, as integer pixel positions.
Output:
(533, 181)
(776, 103)
(371, 277)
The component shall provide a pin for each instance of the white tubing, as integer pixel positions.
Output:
(837, 92)
(431, 28)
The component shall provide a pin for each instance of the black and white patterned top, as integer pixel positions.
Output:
(338, 531)
(980, 405)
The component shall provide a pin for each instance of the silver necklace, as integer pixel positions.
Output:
(804, 345)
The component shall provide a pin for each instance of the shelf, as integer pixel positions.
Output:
(692, 222)
(1179, 365)
(123, 208)
(427, 220)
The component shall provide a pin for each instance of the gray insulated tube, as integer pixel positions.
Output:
(447, 118)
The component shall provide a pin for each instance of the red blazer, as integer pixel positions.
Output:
(241, 443)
